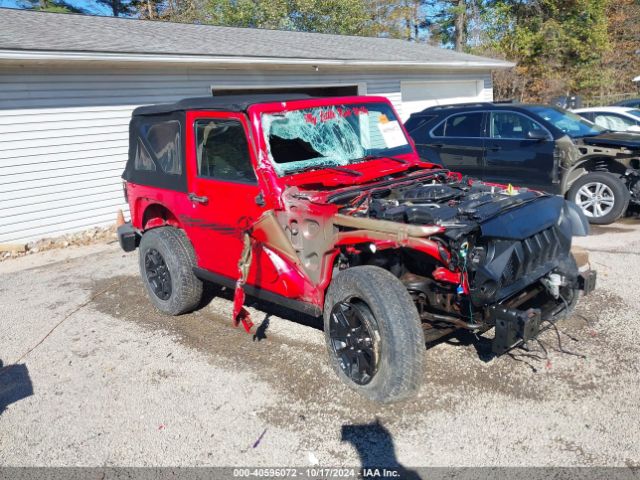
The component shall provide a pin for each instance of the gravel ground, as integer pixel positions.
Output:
(117, 384)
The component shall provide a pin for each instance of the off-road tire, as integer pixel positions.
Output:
(399, 331)
(177, 252)
(615, 184)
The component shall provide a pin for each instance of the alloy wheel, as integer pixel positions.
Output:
(158, 274)
(354, 340)
(595, 199)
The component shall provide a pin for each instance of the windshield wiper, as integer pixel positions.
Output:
(382, 157)
(354, 173)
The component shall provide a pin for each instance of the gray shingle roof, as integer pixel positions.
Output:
(28, 30)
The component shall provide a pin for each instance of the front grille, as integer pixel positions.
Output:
(530, 254)
(510, 265)
(510, 270)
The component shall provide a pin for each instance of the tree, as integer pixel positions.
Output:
(405, 19)
(558, 44)
(55, 6)
(624, 55)
(348, 17)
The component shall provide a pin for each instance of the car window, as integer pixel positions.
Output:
(164, 139)
(222, 151)
(416, 121)
(635, 112)
(143, 160)
(511, 125)
(570, 123)
(612, 121)
(467, 125)
(588, 115)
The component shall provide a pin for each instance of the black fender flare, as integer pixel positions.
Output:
(579, 223)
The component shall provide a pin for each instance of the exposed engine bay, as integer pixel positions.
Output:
(442, 203)
(506, 253)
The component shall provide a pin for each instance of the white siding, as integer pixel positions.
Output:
(64, 133)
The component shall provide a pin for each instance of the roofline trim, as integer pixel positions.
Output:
(65, 56)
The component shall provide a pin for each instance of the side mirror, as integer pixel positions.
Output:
(539, 135)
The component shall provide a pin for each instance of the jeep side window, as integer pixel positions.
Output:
(164, 139)
(223, 152)
(512, 126)
(467, 125)
(143, 160)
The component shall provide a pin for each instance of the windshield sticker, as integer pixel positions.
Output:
(392, 133)
(331, 113)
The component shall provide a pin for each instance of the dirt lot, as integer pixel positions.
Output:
(116, 383)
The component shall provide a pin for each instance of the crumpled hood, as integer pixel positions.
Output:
(540, 214)
(615, 139)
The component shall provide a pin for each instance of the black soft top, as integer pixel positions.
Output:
(225, 103)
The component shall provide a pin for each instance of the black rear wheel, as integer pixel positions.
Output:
(166, 264)
(158, 274)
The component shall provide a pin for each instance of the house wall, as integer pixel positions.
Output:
(64, 131)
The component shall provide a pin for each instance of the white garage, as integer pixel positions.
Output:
(68, 84)
(416, 95)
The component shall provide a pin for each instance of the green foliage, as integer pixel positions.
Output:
(54, 6)
(558, 44)
(327, 16)
(585, 47)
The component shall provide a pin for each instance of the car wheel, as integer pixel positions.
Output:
(374, 334)
(602, 197)
(166, 264)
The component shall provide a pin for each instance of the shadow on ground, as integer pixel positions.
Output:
(15, 384)
(376, 450)
(213, 291)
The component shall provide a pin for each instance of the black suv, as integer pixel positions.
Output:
(537, 146)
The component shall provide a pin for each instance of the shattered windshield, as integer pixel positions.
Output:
(334, 135)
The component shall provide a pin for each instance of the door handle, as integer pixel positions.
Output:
(197, 199)
(437, 145)
(495, 148)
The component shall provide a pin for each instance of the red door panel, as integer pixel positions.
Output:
(222, 208)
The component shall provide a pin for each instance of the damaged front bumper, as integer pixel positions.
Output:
(515, 327)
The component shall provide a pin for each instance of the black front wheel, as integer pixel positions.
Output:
(374, 334)
(355, 340)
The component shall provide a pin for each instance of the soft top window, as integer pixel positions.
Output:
(143, 160)
(156, 145)
(164, 140)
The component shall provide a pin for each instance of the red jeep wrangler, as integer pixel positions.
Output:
(323, 206)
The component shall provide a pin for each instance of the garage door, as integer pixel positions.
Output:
(417, 96)
(338, 91)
